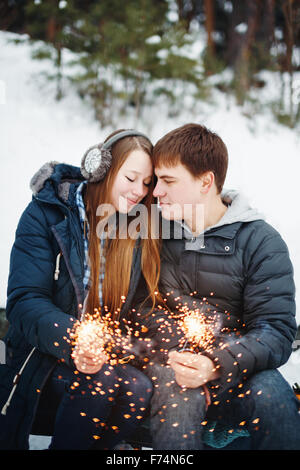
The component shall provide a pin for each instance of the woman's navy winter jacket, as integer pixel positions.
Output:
(45, 291)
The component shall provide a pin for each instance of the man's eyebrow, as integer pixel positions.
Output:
(166, 177)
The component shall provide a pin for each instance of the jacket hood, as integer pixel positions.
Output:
(54, 179)
(239, 209)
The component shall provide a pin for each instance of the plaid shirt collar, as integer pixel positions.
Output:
(85, 229)
(81, 206)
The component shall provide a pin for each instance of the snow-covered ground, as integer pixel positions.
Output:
(264, 156)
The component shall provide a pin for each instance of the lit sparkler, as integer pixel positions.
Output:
(91, 334)
(100, 334)
(197, 330)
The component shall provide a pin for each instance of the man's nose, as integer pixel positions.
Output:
(158, 192)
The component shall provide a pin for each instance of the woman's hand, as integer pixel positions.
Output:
(86, 362)
(192, 370)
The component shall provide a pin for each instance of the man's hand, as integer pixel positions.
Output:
(192, 370)
(86, 362)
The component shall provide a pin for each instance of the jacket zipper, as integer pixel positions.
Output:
(63, 253)
(16, 381)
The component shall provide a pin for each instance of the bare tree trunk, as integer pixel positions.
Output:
(233, 37)
(209, 62)
(269, 22)
(51, 29)
(209, 9)
(59, 91)
(287, 8)
(242, 69)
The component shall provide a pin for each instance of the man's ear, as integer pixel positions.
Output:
(207, 180)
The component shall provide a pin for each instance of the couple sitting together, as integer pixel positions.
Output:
(206, 297)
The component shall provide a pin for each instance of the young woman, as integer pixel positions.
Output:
(63, 267)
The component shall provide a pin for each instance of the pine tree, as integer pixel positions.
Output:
(51, 22)
(121, 57)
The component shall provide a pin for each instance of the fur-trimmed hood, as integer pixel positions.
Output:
(54, 179)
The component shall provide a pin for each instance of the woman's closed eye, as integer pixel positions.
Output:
(133, 180)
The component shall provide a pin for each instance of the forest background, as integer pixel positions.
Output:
(129, 54)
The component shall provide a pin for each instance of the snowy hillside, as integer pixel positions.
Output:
(264, 164)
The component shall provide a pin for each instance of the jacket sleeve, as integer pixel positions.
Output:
(30, 309)
(268, 315)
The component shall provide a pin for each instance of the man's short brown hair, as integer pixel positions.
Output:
(195, 147)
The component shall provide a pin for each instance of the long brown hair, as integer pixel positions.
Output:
(119, 251)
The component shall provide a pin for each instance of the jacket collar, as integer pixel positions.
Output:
(225, 231)
(219, 240)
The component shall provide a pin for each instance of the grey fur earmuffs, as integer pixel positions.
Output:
(97, 159)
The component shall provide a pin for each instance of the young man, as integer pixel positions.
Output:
(233, 267)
